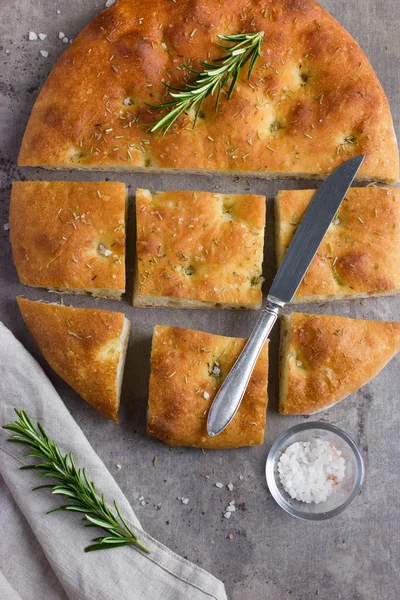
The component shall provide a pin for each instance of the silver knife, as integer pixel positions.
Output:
(302, 249)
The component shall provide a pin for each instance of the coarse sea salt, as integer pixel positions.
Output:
(104, 251)
(309, 471)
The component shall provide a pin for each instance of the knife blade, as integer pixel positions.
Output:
(312, 229)
(305, 243)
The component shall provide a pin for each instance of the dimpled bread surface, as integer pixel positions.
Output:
(187, 369)
(69, 236)
(313, 100)
(324, 358)
(359, 255)
(199, 249)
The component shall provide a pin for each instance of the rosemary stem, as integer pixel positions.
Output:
(214, 76)
(74, 485)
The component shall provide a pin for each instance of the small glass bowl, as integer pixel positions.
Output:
(342, 495)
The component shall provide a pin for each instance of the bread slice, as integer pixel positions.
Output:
(187, 369)
(312, 102)
(85, 347)
(325, 358)
(359, 255)
(199, 250)
(69, 237)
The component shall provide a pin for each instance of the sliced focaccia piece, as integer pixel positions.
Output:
(312, 101)
(187, 369)
(69, 237)
(359, 255)
(199, 249)
(85, 347)
(325, 358)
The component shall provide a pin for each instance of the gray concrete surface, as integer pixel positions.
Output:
(271, 556)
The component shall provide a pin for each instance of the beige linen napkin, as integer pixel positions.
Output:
(41, 556)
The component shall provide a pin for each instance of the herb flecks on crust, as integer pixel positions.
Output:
(311, 78)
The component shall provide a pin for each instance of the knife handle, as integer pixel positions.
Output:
(231, 392)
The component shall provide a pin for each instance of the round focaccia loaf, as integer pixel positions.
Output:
(313, 100)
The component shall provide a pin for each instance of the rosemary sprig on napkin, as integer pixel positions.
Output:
(74, 484)
(214, 76)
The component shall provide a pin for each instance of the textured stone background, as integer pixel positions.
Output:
(271, 556)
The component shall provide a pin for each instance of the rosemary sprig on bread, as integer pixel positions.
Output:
(211, 79)
(73, 483)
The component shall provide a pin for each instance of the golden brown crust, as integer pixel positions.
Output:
(60, 232)
(359, 255)
(187, 369)
(313, 100)
(199, 246)
(83, 346)
(325, 358)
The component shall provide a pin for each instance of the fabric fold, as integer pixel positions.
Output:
(122, 573)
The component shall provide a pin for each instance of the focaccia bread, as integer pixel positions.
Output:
(312, 102)
(325, 358)
(199, 250)
(187, 369)
(360, 253)
(85, 347)
(69, 237)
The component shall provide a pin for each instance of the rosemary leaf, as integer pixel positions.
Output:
(75, 486)
(212, 78)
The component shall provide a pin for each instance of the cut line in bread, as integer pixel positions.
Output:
(85, 347)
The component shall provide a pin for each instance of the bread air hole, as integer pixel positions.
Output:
(297, 360)
(77, 156)
(348, 144)
(227, 206)
(192, 114)
(256, 280)
(190, 270)
(304, 77)
(275, 126)
(339, 280)
(214, 369)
